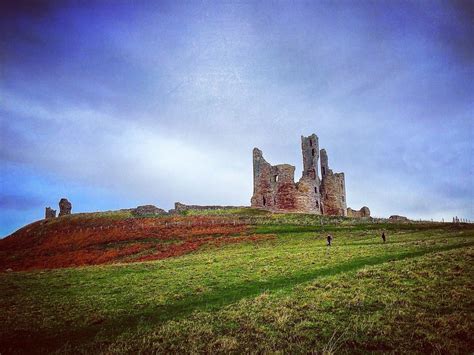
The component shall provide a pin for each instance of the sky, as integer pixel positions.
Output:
(115, 104)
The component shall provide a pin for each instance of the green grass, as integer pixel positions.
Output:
(291, 294)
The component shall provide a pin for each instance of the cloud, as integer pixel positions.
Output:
(94, 148)
(163, 102)
(19, 202)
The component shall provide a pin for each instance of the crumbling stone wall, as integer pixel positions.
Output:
(274, 188)
(148, 210)
(49, 213)
(333, 189)
(284, 188)
(362, 213)
(264, 181)
(179, 207)
(396, 217)
(309, 186)
(65, 207)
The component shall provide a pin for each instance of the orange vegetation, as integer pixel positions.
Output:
(89, 240)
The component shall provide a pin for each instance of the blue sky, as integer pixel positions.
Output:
(114, 104)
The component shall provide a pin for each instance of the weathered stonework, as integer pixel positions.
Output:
(148, 210)
(309, 185)
(49, 213)
(275, 188)
(65, 207)
(180, 207)
(397, 218)
(362, 213)
(333, 189)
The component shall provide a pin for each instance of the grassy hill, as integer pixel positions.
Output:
(235, 281)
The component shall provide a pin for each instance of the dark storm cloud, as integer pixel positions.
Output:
(159, 102)
(458, 36)
(25, 8)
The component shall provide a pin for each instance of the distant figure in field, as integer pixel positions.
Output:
(383, 236)
(329, 240)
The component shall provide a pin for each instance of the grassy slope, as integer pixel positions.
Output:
(290, 293)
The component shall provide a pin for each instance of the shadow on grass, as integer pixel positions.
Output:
(223, 297)
(324, 228)
(394, 240)
(39, 342)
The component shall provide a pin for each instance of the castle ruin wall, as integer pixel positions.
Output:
(181, 207)
(49, 213)
(333, 189)
(274, 188)
(65, 207)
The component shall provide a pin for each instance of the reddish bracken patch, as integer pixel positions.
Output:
(191, 245)
(87, 240)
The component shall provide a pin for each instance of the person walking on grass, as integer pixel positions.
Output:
(383, 237)
(329, 239)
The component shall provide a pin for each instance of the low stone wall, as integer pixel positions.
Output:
(179, 207)
(148, 210)
(397, 218)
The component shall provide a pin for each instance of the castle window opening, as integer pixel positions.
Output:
(264, 201)
(317, 204)
(312, 152)
(315, 190)
(323, 170)
(310, 143)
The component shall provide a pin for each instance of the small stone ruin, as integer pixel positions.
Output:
(49, 213)
(362, 213)
(65, 207)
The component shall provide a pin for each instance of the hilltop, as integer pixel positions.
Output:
(233, 281)
(120, 236)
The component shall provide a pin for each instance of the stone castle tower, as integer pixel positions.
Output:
(333, 189)
(274, 187)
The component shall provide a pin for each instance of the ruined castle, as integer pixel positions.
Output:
(274, 187)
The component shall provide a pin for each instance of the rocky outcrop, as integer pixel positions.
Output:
(362, 213)
(148, 210)
(49, 213)
(65, 207)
